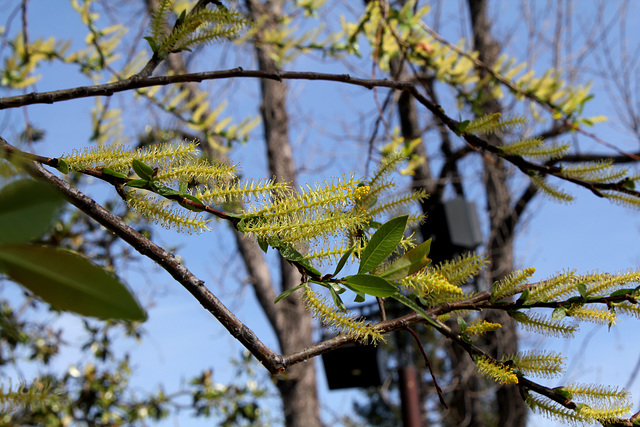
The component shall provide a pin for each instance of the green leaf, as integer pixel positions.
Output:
(309, 268)
(559, 313)
(288, 252)
(371, 285)
(343, 261)
(629, 184)
(462, 324)
(193, 199)
(582, 290)
(69, 281)
(181, 18)
(383, 242)
(337, 300)
(287, 293)
(111, 172)
(27, 208)
(415, 307)
(409, 263)
(163, 190)
(184, 184)
(462, 126)
(63, 166)
(143, 170)
(524, 296)
(152, 44)
(138, 183)
(620, 292)
(264, 245)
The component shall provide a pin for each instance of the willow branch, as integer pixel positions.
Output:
(137, 82)
(165, 259)
(474, 141)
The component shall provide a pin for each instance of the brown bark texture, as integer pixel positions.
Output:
(297, 386)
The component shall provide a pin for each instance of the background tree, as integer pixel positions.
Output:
(385, 27)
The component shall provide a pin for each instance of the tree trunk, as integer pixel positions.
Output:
(512, 411)
(297, 386)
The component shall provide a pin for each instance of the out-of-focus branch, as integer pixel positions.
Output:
(474, 141)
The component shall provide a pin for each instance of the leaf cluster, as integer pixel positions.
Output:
(196, 28)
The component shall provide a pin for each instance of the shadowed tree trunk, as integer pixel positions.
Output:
(512, 411)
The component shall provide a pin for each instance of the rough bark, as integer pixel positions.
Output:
(512, 410)
(297, 386)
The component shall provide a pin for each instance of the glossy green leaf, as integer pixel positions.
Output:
(287, 293)
(629, 184)
(371, 285)
(383, 242)
(162, 190)
(466, 338)
(409, 263)
(524, 296)
(143, 170)
(27, 208)
(343, 261)
(69, 281)
(152, 44)
(359, 297)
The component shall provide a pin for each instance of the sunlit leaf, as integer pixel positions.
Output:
(371, 285)
(409, 263)
(383, 242)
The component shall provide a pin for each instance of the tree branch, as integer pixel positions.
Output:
(165, 259)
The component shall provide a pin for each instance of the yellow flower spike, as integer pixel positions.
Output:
(498, 372)
(331, 316)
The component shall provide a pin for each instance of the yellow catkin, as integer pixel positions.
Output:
(332, 317)
(498, 372)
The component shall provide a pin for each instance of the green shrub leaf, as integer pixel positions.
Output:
(409, 263)
(383, 242)
(27, 208)
(143, 170)
(343, 261)
(371, 285)
(69, 281)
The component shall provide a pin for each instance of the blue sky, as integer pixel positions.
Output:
(182, 339)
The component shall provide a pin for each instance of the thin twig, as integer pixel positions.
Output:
(428, 363)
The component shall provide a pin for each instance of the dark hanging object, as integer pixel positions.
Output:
(455, 228)
(352, 366)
